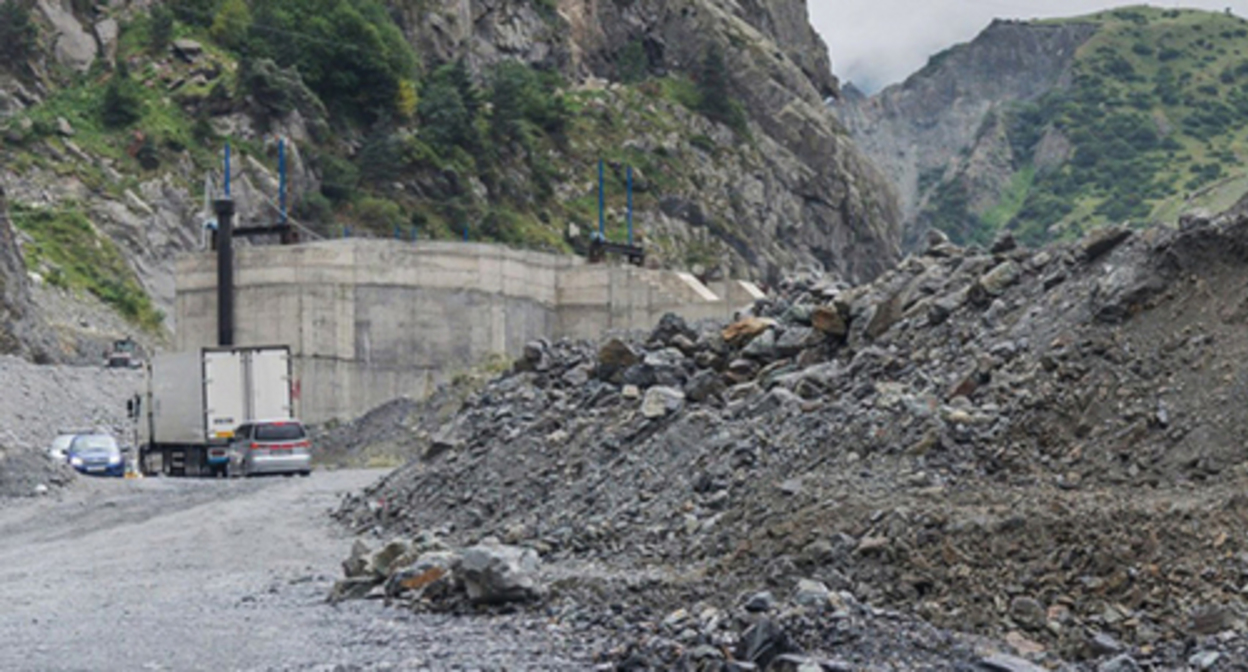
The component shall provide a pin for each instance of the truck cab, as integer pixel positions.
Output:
(125, 354)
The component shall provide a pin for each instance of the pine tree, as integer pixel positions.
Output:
(18, 33)
(715, 97)
(161, 31)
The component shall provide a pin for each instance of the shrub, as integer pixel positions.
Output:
(379, 215)
(195, 12)
(715, 97)
(18, 33)
(339, 178)
(633, 65)
(122, 105)
(350, 52)
(230, 25)
(160, 32)
(445, 121)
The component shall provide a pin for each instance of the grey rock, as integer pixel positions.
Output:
(615, 356)
(763, 642)
(763, 347)
(496, 574)
(1204, 660)
(997, 280)
(187, 50)
(382, 562)
(793, 340)
(73, 46)
(1102, 644)
(64, 128)
(1004, 243)
(356, 565)
(704, 385)
(106, 32)
(1100, 241)
(670, 326)
(662, 401)
(1122, 663)
(1028, 613)
(811, 594)
(1000, 662)
(760, 602)
(356, 588)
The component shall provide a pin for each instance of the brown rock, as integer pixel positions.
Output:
(829, 320)
(741, 333)
(1102, 240)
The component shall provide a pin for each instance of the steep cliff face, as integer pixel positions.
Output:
(799, 192)
(21, 330)
(919, 130)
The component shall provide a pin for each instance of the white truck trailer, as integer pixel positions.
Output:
(194, 401)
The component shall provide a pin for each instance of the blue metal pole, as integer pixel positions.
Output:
(281, 169)
(630, 205)
(602, 200)
(465, 232)
(227, 170)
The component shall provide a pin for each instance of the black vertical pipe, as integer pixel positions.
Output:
(225, 271)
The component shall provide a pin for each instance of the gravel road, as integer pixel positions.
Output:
(170, 574)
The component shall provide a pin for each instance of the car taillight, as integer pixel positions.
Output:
(254, 445)
(304, 444)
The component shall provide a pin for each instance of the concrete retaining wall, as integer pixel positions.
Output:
(371, 320)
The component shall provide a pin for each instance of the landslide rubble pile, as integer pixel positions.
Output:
(1039, 447)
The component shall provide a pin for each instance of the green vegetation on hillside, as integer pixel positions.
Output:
(73, 255)
(1156, 111)
(398, 146)
(18, 33)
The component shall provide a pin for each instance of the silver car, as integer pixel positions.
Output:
(271, 447)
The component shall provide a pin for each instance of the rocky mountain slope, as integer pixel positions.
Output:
(489, 117)
(1052, 128)
(1039, 447)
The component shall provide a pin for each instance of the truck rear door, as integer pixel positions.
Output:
(224, 398)
(269, 384)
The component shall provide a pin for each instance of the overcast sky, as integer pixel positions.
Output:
(875, 43)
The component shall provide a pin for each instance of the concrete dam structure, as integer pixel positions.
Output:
(368, 321)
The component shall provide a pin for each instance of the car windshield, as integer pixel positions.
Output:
(97, 442)
(279, 431)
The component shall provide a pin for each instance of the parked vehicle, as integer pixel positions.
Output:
(195, 401)
(271, 447)
(97, 455)
(58, 451)
(125, 354)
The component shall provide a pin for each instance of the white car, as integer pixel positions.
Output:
(59, 450)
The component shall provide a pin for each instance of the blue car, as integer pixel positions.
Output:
(96, 455)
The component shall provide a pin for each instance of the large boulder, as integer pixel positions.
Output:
(74, 46)
(497, 574)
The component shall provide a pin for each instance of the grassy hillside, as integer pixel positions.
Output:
(1153, 122)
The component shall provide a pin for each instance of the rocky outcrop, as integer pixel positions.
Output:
(73, 46)
(808, 197)
(20, 328)
(923, 124)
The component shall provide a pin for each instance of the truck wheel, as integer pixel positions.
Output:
(305, 474)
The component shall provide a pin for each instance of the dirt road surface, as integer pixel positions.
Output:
(172, 574)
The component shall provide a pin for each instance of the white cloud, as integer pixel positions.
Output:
(879, 42)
